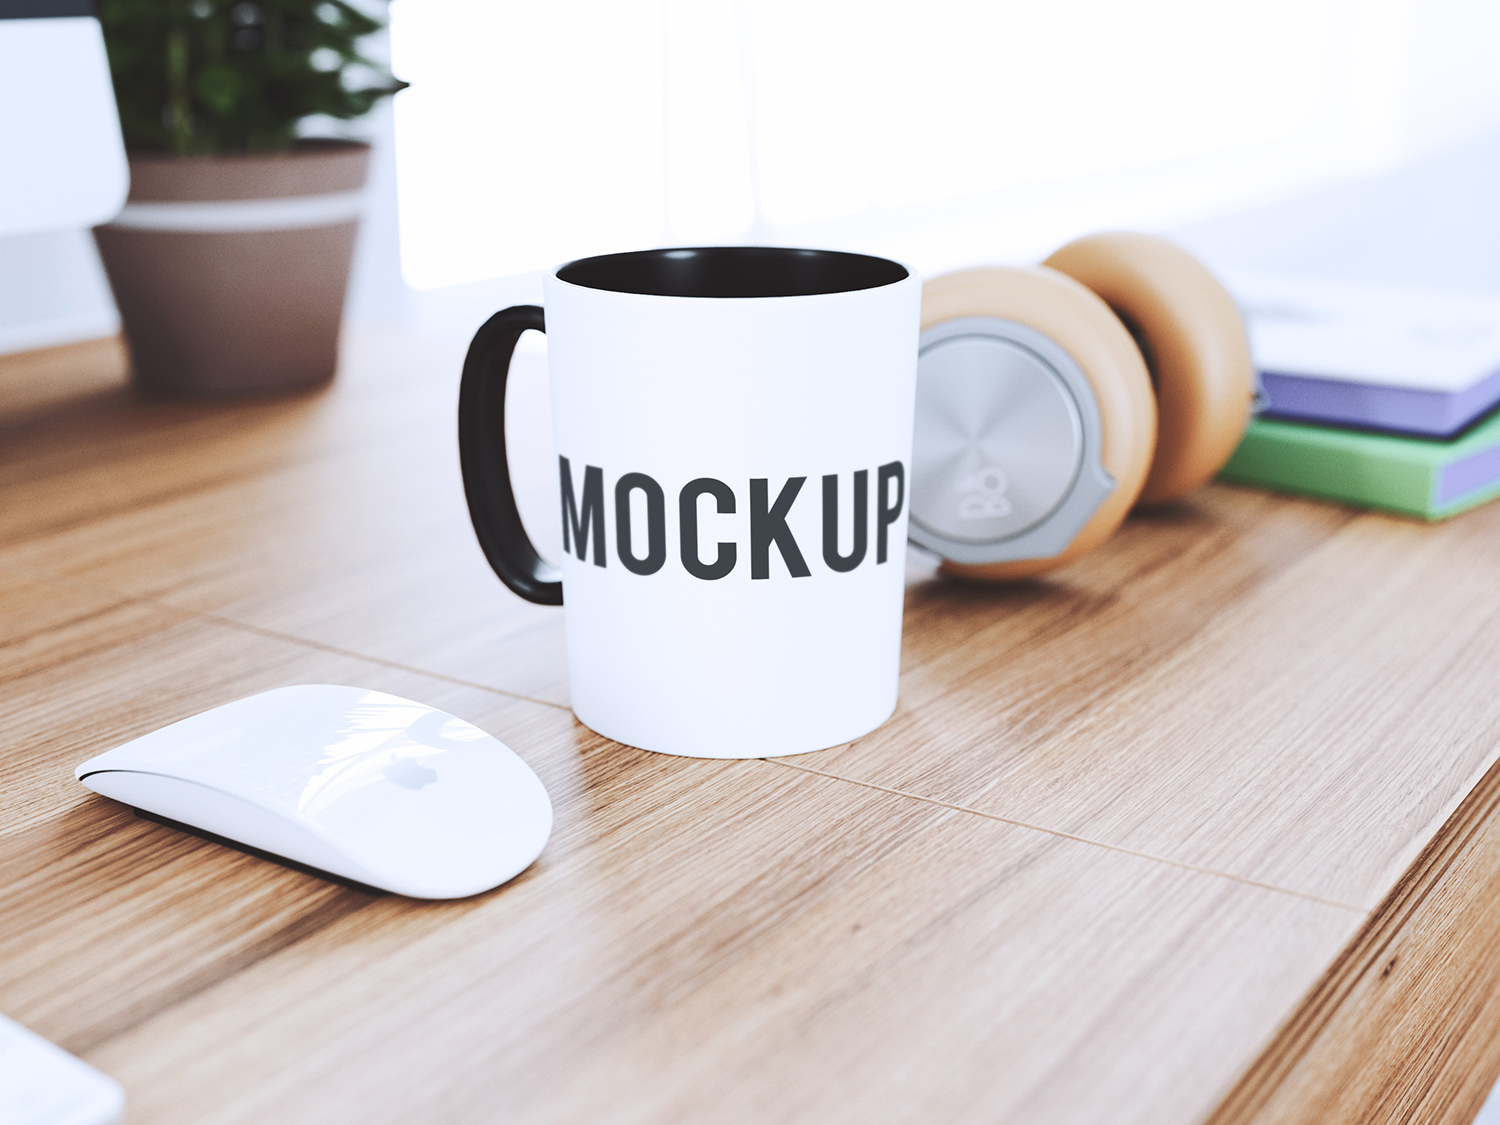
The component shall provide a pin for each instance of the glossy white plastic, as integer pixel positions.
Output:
(41, 1084)
(358, 783)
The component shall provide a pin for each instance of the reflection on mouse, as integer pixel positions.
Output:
(360, 784)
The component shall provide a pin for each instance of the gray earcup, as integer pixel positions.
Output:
(1006, 458)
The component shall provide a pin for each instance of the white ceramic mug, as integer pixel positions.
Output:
(733, 428)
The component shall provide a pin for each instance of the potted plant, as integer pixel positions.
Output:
(230, 260)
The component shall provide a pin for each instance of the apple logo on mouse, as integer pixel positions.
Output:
(406, 772)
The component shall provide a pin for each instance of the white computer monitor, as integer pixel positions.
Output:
(62, 159)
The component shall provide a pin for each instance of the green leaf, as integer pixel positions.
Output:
(246, 94)
(220, 87)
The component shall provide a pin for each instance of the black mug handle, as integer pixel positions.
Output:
(481, 455)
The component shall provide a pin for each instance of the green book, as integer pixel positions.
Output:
(1416, 476)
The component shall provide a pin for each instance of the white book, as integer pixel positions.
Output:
(1418, 339)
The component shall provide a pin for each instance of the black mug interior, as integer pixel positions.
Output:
(733, 271)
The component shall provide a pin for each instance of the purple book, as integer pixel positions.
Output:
(1408, 361)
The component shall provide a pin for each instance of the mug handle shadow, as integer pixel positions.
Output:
(482, 457)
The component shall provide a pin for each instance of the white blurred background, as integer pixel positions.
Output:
(939, 133)
(929, 131)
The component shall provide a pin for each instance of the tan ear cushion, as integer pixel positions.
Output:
(1082, 325)
(1194, 343)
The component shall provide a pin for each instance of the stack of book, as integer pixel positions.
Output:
(1373, 395)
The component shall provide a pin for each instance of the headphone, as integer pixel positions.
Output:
(1051, 400)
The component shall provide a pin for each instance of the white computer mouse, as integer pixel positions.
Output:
(358, 783)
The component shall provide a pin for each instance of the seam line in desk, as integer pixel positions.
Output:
(230, 623)
(189, 614)
(1075, 838)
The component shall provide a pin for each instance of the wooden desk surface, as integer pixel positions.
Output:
(1134, 848)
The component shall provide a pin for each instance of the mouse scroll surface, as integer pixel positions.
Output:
(360, 783)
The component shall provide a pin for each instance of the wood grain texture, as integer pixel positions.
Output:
(1342, 674)
(744, 942)
(1116, 836)
(43, 623)
(1405, 1025)
(72, 380)
(674, 891)
(315, 516)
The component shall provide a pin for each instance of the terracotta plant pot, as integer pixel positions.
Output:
(230, 271)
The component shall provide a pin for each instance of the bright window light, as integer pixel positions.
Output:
(532, 133)
(943, 134)
(941, 101)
